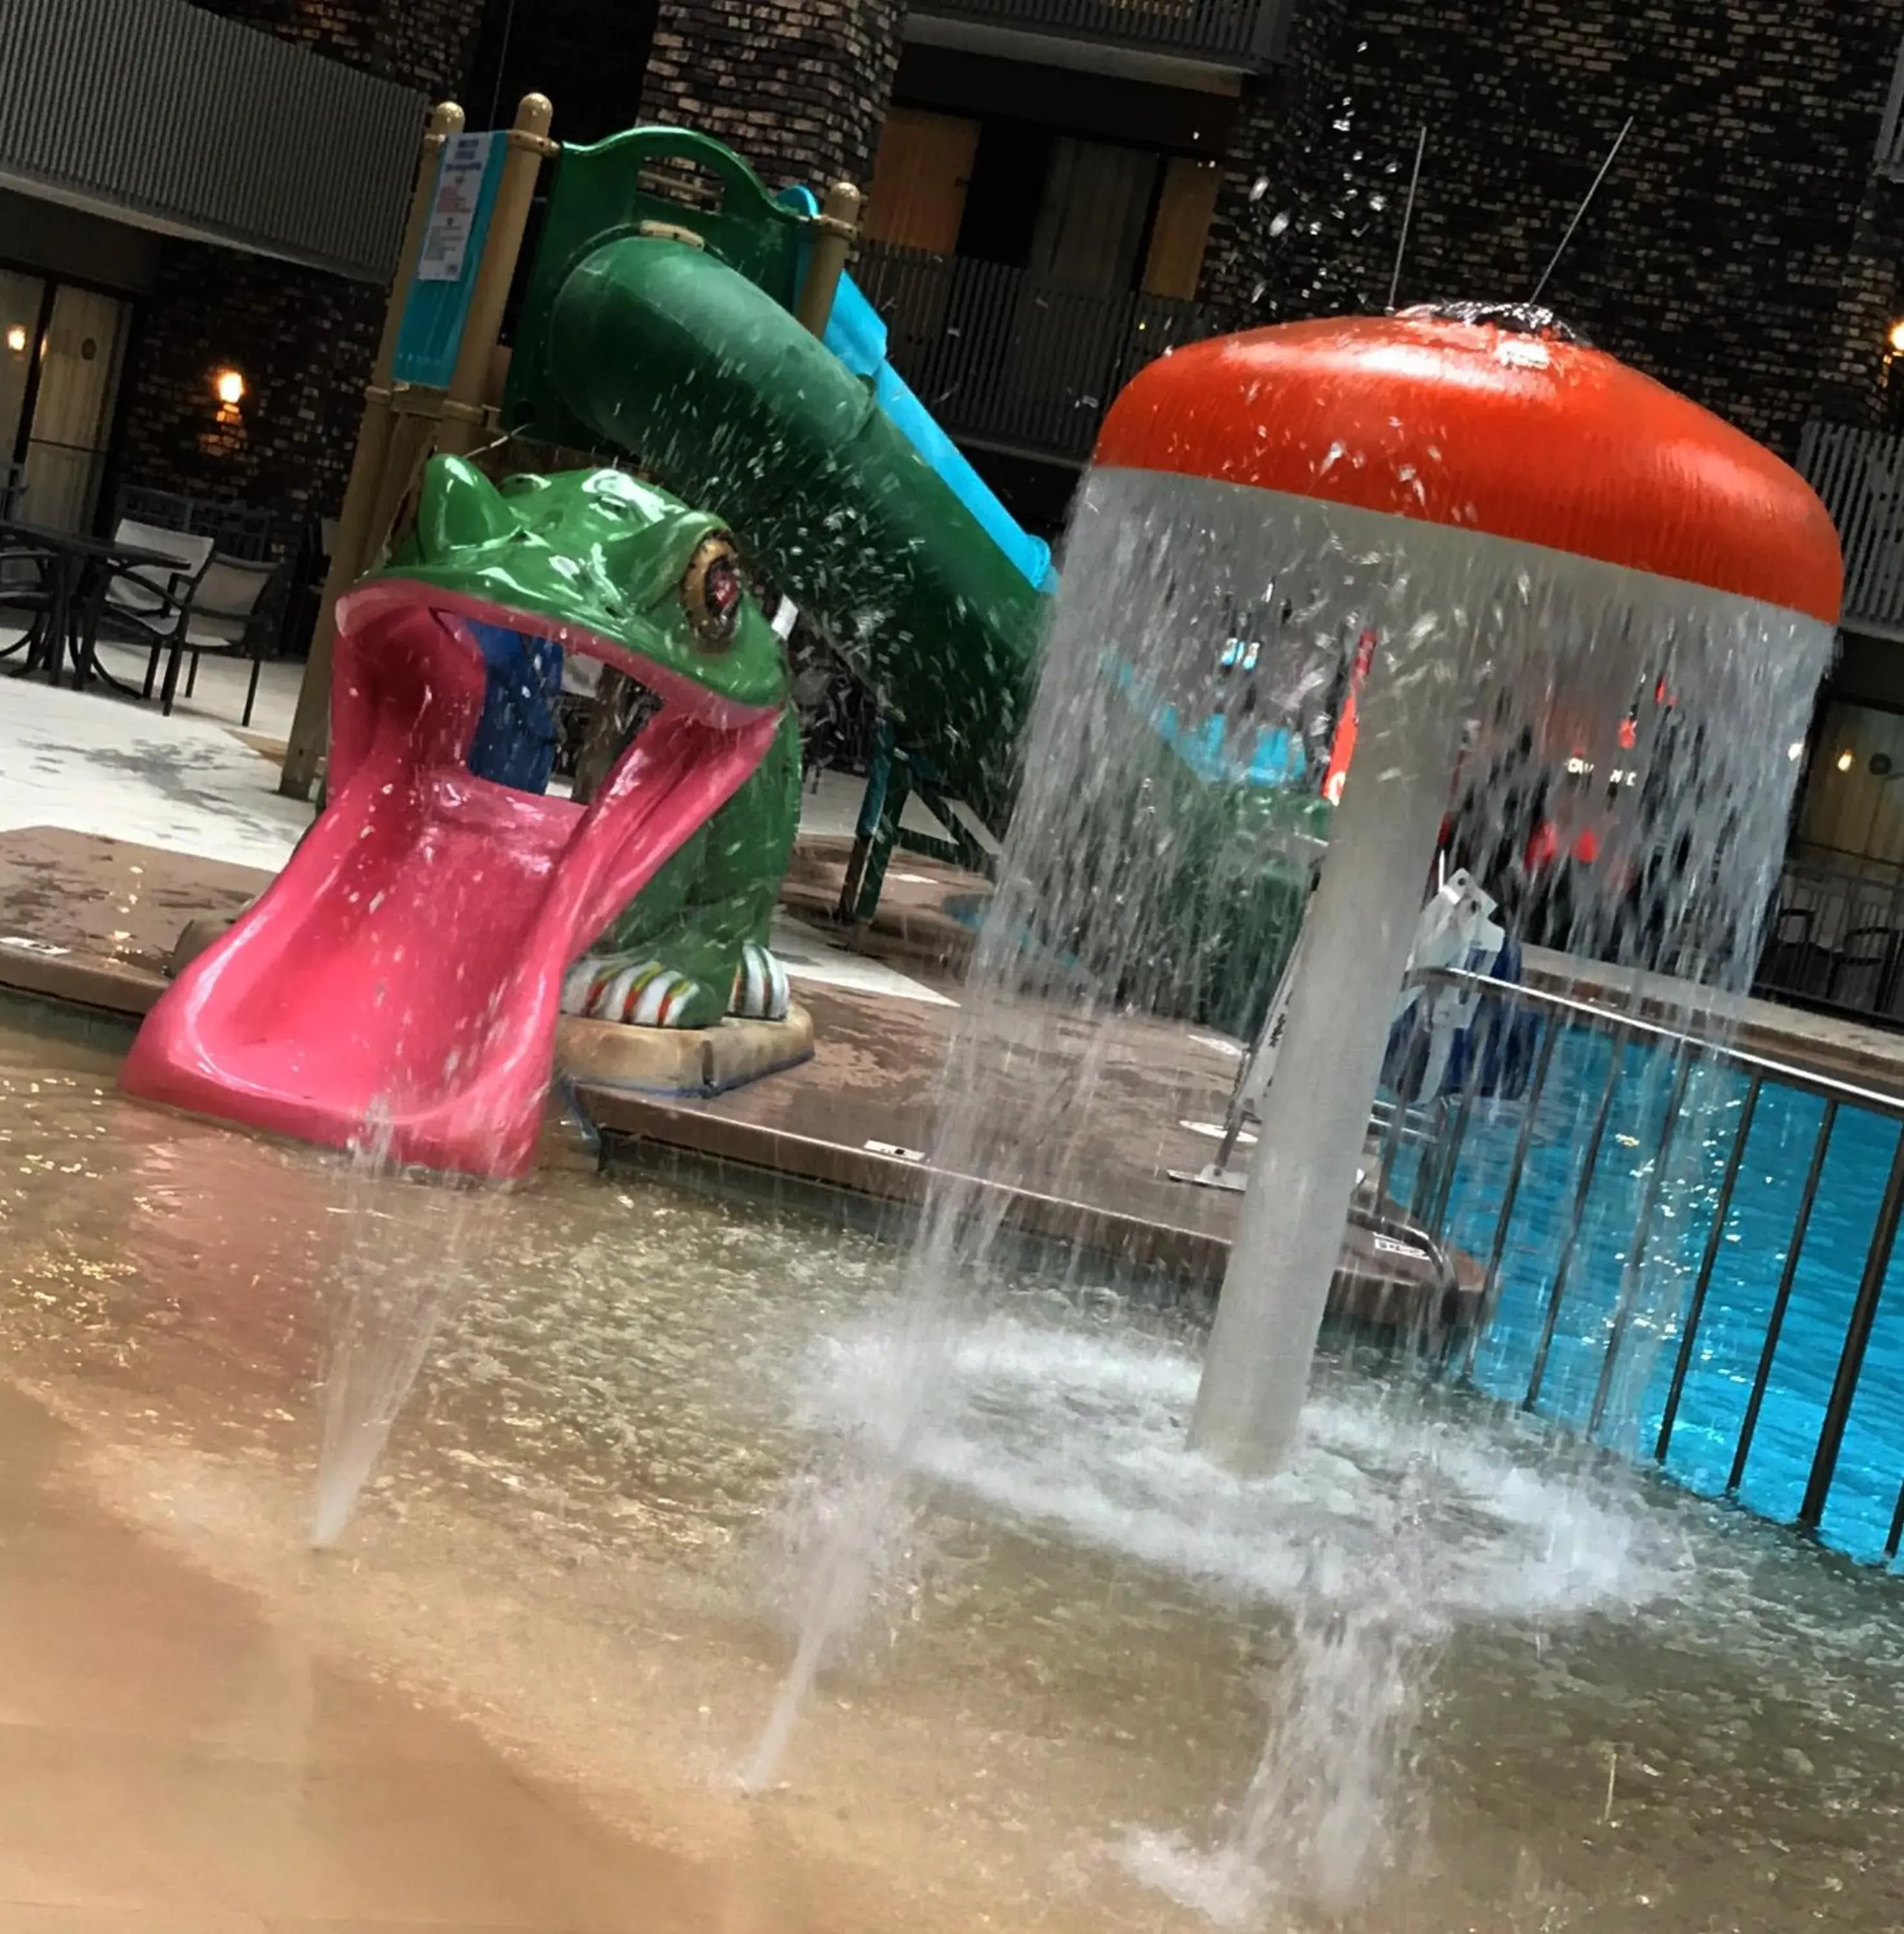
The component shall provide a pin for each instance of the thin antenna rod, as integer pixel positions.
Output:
(1580, 213)
(1408, 217)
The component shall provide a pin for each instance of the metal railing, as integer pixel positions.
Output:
(1004, 358)
(1242, 35)
(1859, 475)
(1684, 1252)
(209, 128)
(1835, 940)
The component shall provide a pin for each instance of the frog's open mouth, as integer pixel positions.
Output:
(405, 969)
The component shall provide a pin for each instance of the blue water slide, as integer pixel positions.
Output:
(856, 334)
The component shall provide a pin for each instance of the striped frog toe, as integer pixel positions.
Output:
(761, 992)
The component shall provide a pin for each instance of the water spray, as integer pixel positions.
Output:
(1508, 510)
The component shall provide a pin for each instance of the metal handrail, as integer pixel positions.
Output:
(1687, 1048)
(1859, 474)
(182, 121)
(1241, 35)
(1006, 358)
(1713, 1041)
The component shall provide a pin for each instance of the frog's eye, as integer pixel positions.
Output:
(710, 592)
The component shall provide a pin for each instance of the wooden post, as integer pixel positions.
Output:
(310, 728)
(838, 224)
(464, 417)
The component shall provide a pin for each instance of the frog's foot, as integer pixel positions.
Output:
(638, 991)
(760, 990)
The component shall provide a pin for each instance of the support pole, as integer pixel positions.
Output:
(888, 781)
(464, 414)
(311, 726)
(838, 224)
(1355, 944)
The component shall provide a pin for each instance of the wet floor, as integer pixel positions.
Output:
(1507, 1695)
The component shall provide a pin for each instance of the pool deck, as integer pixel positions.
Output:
(91, 922)
(117, 828)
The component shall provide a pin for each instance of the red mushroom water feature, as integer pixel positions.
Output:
(1534, 533)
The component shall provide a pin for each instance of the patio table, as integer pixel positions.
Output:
(83, 567)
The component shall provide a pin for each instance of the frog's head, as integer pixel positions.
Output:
(594, 561)
(599, 564)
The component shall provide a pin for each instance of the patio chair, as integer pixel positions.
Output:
(1868, 957)
(230, 615)
(149, 605)
(157, 510)
(304, 593)
(33, 585)
(235, 529)
(239, 533)
(1793, 962)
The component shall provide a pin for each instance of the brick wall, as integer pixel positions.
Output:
(1739, 251)
(304, 342)
(303, 339)
(425, 43)
(798, 87)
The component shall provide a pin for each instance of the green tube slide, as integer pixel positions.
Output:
(665, 331)
(657, 321)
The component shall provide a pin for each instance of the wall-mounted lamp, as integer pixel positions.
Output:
(16, 338)
(229, 386)
(1896, 337)
(1846, 759)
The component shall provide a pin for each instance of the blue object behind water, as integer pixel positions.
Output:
(856, 334)
(1750, 1256)
(1494, 1054)
(1277, 757)
(515, 741)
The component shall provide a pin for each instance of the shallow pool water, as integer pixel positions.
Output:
(1604, 1705)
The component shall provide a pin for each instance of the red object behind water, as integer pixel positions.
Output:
(403, 974)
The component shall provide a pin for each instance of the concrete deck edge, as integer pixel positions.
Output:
(1813, 1043)
(84, 980)
(866, 1172)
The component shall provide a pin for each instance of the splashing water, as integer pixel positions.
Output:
(405, 1262)
(1158, 865)
(1319, 1818)
(1403, 1515)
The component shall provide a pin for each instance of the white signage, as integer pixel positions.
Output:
(453, 213)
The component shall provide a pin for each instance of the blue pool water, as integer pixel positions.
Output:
(1751, 1257)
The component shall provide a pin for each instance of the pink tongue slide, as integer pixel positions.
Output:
(406, 967)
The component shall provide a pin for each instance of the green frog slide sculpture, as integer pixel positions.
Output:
(407, 967)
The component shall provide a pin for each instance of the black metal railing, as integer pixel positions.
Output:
(1005, 358)
(1835, 940)
(206, 126)
(1859, 475)
(1683, 1253)
(1245, 34)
